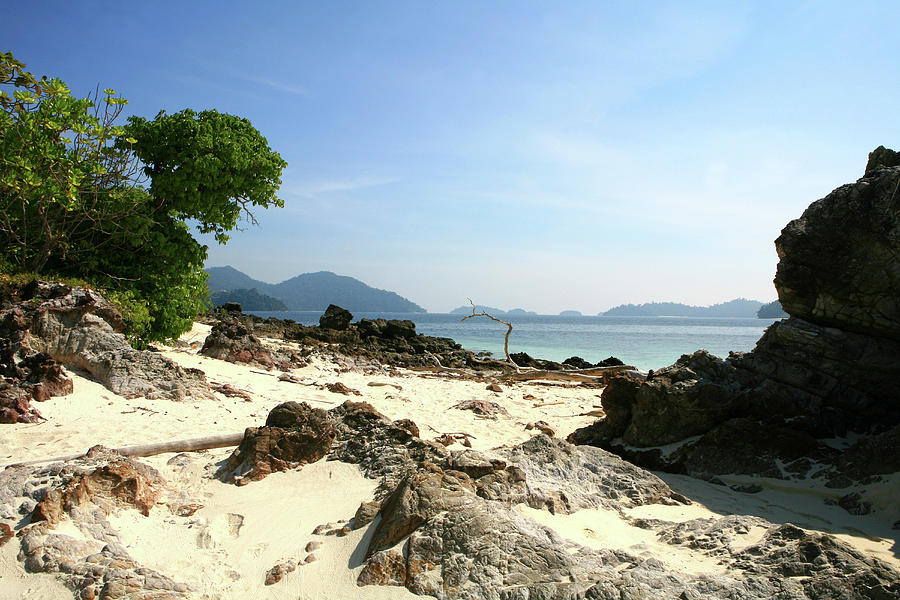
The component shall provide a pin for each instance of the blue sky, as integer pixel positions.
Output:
(549, 156)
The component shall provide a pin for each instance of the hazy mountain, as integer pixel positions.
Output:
(248, 299)
(571, 313)
(737, 308)
(315, 291)
(772, 310)
(229, 278)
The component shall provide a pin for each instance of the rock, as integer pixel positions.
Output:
(120, 482)
(612, 361)
(340, 388)
(881, 157)
(15, 405)
(541, 426)
(481, 407)
(294, 435)
(276, 573)
(230, 307)
(85, 491)
(365, 514)
(50, 324)
(382, 448)
(312, 546)
(577, 362)
(493, 387)
(6, 533)
(234, 341)
(336, 318)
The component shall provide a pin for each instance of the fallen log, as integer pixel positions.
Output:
(188, 445)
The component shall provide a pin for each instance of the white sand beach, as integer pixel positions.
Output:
(225, 548)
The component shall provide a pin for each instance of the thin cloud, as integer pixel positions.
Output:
(282, 86)
(314, 189)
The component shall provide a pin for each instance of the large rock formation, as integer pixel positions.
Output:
(450, 524)
(832, 367)
(44, 325)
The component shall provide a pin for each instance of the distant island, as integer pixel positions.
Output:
(772, 310)
(571, 313)
(309, 291)
(738, 308)
(248, 299)
(467, 310)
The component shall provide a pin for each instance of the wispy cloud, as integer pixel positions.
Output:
(281, 86)
(315, 189)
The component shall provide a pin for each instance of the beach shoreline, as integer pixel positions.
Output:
(226, 547)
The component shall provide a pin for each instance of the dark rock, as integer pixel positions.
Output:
(336, 318)
(294, 435)
(577, 362)
(365, 514)
(881, 157)
(277, 573)
(612, 361)
(231, 307)
(382, 448)
(493, 387)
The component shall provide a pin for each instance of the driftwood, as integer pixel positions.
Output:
(508, 331)
(189, 445)
(592, 375)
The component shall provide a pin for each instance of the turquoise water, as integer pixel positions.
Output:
(645, 342)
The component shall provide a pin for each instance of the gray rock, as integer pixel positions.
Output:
(79, 329)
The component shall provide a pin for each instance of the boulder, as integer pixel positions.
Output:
(234, 341)
(335, 317)
(294, 435)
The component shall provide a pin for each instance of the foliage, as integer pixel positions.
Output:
(73, 199)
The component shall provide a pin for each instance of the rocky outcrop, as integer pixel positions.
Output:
(233, 340)
(335, 317)
(85, 492)
(44, 325)
(436, 533)
(374, 342)
(830, 368)
(294, 435)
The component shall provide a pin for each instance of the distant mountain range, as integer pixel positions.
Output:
(467, 310)
(313, 291)
(737, 308)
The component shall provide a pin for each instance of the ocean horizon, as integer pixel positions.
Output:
(645, 342)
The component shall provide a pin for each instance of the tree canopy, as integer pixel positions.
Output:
(82, 196)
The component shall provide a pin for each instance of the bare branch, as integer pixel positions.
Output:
(508, 331)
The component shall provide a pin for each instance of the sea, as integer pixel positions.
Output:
(645, 342)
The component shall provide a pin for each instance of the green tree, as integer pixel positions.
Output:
(74, 199)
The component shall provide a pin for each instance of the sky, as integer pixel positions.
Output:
(548, 156)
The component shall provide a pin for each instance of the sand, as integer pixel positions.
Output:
(225, 548)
